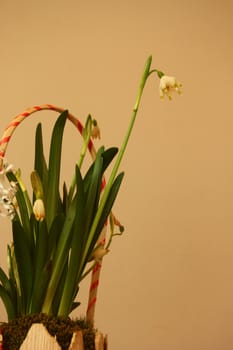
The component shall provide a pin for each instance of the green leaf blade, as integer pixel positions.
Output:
(23, 257)
(76, 251)
(8, 303)
(53, 202)
(40, 164)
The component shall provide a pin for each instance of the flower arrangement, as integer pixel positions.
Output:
(59, 236)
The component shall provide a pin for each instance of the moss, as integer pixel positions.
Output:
(16, 330)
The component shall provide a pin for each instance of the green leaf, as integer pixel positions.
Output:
(54, 234)
(107, 156)
(75, 304)
(40, 164)
(53, 201)
(8, 303)
(9, 287)
(40, 261)
(89, 200)
(76, 249)
(14, 279)
(65, 201)
(40, 289)
(93, 191)
(41, 248)
(60, 289)
(24, 263)
(23, 210)
(62, 251)
(5, 281)
(105, 212)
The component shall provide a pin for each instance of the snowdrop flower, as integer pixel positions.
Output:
(8, 190)
(39, 209)
(168, 85)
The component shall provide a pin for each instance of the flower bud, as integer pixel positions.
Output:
(99, 253)
(36, 184)
(39, 209)
(95, 132)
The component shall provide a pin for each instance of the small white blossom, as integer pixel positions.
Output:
(8, 190)
(168, 85)
(39, 209)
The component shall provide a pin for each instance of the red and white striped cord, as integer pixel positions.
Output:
(20, 117)
(1, 340)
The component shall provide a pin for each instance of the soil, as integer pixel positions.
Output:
(15, 331)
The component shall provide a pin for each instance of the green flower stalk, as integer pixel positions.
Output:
(166, 84)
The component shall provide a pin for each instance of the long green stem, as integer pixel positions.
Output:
(112, 177)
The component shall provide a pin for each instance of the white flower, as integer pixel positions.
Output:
(39, 209)
(168, 85)
(8, 190)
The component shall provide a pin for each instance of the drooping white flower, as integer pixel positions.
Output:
(39, 209)
(168, 85)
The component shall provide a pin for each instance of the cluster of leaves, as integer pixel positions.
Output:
(49, 257)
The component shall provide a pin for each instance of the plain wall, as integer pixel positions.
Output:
(167, 284)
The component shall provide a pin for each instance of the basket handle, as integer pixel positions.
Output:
(7, 134)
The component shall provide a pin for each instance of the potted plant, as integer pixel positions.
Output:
(59, 235)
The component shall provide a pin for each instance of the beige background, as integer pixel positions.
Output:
(168, 283)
